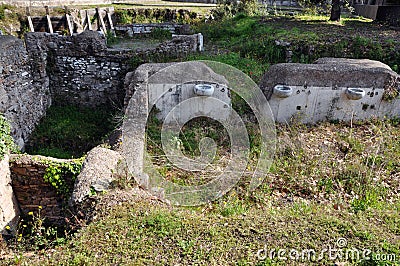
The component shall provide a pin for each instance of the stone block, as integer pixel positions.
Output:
(9, 209)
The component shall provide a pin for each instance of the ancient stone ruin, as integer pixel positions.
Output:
(332, 89)
(50, 69)
(81, 70)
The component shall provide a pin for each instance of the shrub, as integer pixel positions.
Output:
(6, 141)
(2, 9)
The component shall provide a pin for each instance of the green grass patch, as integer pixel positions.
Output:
(253, 68)
(144, 233)
(265, 39)
(69, 132)
(6, 141)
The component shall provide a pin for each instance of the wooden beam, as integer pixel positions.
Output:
(89, 23)
(30, 23)
(109, 19)
(49, 25)
(101, 21)
(69, 25)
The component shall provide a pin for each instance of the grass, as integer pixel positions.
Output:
(253, 68)
(327, 182)
(6, 141)
(147, 233)
(309, 37)
(69, 132)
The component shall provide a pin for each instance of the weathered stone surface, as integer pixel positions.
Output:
(329, 72)
(98, 172)
(192, 70)
(332, 89)
(41, 3)
(84, 72)
(9, 210)
(132, 29)
(23, 98)
(137, 104)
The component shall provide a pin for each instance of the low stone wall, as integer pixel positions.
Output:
(84, 72)
(31, 190)
(24, 97)
(332, 89)
(143, 28)
(81, 70)
(54, 2)
(9, 210)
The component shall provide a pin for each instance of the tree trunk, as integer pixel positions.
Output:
(335, 11)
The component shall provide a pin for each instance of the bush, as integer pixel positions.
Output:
(6, 141)
(160, 34)
(230, 8)
(68, 131)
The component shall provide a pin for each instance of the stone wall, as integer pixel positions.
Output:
(9, 210)
(140, 28)
(77, 70)
(54, 2)
(30, 189)
(84, 72)
(24, 97)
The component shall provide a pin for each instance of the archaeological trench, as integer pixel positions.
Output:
(80, 70)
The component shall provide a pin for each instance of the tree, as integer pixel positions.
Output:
(335, 10)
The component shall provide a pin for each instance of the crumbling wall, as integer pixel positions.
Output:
(332, 89)
(84, 72)
(32, 191)
(24, 98)
(141, 28)
(54, 2)
(9, 210)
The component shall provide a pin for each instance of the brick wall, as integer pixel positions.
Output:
(32, 191)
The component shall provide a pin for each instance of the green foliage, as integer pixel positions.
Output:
(308, 37)
(253, 68)
(314, 6)
(154, 15)
(123, 16)
(63, 175)
(160, 34)
(245, 36)
(160, 224)
(68, 131)
(34, 233)
(111, 38)
(6, 141)
(2, 10)
(230, 8)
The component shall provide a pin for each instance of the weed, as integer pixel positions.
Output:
(3, 7)
(6, 141)
(111, 38)
(63, 175)
(34, 233)
(160, 34)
